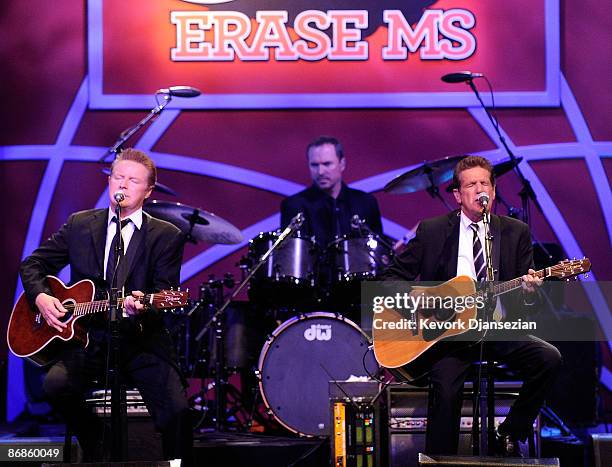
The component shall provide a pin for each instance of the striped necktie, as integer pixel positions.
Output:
(479, 262)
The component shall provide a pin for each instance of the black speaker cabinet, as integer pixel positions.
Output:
(602, 445)
(113, 464)
(464, 461)
(408, 421)
(143, 441)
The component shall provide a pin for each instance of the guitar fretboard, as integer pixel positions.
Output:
(513, 284)
(98, 306)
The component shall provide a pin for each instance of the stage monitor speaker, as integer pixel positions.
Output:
(602, 445)
(408, 421)
(143, 441)
(465, 461)
(113, 464)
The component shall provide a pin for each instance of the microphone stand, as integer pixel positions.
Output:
(481, 407)
(218, 321)
(363, 226)
(129, 132)
(526, 192)
(118, 400)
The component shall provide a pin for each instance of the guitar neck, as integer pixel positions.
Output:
(99, 306)
(514, 284)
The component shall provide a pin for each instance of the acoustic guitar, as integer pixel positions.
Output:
(29, 335)
(402, 339)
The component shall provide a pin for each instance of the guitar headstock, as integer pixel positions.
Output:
(567, 269)
(167, 299)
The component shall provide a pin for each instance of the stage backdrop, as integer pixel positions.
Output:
(274, 75)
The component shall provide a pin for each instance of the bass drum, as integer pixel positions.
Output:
(300, 358)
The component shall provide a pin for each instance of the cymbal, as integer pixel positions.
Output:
(196, 223)
(158, 186)
(426, 175)
(499, 169)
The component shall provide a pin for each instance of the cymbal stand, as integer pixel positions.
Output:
(433, 189)
(194, 218)
(218, 322)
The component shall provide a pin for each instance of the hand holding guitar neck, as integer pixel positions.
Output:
(132, 304)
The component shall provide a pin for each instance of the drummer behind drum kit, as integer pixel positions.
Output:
(288, 272)
(300, 276)
(310, 347)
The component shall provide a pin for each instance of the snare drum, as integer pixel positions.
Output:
(300, 358)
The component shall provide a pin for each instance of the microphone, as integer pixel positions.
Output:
(356, 222)
(460, 77)
(179, 91)
(297, 221)
(483, 199)
(118, 196)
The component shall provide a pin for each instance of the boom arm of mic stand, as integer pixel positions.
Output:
(127, 134)
(295, 223)
(527, 191)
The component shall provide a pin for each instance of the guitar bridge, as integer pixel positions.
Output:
(38, 319)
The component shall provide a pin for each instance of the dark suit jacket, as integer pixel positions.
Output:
(317, 207)
(154, 257)
(432, 254)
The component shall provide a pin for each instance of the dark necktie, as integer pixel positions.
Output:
(479, 262)
(110, 264)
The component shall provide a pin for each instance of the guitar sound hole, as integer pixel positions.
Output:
(69, 305)
(442, 314)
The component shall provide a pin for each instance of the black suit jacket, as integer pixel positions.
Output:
(154, 259)
(317, 207)
(432, 254)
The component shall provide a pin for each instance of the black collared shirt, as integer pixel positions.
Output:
(327, 218)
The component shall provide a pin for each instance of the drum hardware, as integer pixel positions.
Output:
(195, 223)
(211, 295)
(359, 256)
(426, 176)
(217, 322)
(288, 276)
(431, 174)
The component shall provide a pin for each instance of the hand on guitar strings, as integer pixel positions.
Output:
(52, 310)
(131, 303)
(531, 282)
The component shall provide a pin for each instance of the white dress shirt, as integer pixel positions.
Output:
(465, 259)
(127, 232)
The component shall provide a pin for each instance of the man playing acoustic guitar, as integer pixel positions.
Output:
(452, 245)
(152, 261)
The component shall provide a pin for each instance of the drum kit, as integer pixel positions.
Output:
(287, 271)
